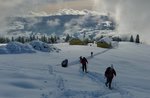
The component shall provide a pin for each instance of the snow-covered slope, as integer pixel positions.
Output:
(40, 75)
(44, 47)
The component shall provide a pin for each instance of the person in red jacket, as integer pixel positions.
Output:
(109, 74)
(84, 64)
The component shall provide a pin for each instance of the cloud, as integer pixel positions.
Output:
(72, 26)
(17, 25)
(79, 24)
(10, 8)
(132, 15)
(32, 21)
(8, 3)
(53, 23)
(71, 4)
(134, 18)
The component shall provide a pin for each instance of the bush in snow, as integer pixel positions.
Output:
(44, 47)
(15, 48)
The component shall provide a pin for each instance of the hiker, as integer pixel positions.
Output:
(80, 59)
(109, 74)
(84, 64)
(91, 54)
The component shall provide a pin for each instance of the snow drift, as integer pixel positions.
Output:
(44, 47)
(15, 48)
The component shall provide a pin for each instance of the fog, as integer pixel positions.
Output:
(132, 16)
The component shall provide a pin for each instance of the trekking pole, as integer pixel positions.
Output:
(115, 84)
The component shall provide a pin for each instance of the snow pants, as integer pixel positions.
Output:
(84, 67)
(108, 82)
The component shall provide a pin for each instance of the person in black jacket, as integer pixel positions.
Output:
(109, 74)
(84, 64)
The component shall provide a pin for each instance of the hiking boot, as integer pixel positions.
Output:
(106, 84)
(110, 87)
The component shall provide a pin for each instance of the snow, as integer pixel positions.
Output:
(106, 39)
(40, 75)
(107, 23)
(44, 47)
(16, 47)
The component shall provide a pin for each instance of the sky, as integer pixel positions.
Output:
(132, 15)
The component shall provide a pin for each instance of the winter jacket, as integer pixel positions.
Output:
(84, 61)
(110, 72)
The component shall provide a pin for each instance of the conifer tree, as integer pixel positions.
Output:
(67, 38)
(31, 38)
(52, 39)
(2, 40)
(55, 39)
(44, 39)
(49, 40)
(12, 39)
(19, 39)
(137, 40)
(131, 38)
(7, 40)
(22, 39)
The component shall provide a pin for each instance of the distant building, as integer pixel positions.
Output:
(104, 42)
(76, 41)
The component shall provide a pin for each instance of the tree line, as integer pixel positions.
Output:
(23, 39)
(54, 39)
(136, 40)
(131, 39)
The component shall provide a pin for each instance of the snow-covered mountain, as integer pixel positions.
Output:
(64, 21)
(40, 75)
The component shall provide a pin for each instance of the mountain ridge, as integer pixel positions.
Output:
(68, 22)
